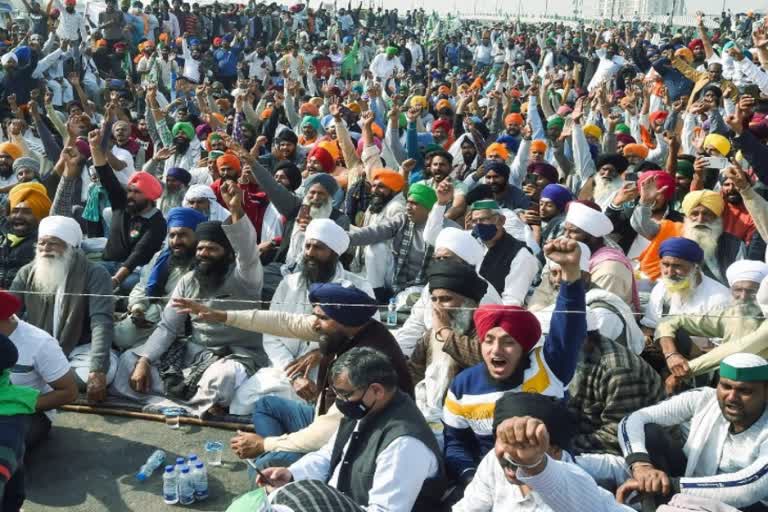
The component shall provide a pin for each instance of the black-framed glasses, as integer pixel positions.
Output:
(344, 395)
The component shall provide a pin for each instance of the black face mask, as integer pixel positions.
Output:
(353, 409)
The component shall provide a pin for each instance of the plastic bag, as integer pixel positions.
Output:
(266, 381)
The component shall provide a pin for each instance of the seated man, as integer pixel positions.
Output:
(451, 344)
(452, 244)
(610, 382)
(202, 199)
(287, 429)
(29, 204)
(138, 227)
(508, 265)
(411, 239)
(159, 277)
(682, 290)
(495, 486)
(202, 365)
(512, 361)
(41, 365)
(726, 449)
(16, 404)
(381, 438)
(552, 204)
(739, 319)
(176, 182)
(609, 267)
(71, 300)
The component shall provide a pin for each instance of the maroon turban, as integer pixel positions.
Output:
(663, 179)
(544, 170)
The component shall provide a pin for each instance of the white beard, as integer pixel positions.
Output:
(604, 189)
(51, 273)
(321, 212)
(706, 238)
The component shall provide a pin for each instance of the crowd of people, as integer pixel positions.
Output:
(439, 264)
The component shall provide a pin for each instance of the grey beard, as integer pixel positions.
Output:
(706, 238)
(51, 273)
(321, 212)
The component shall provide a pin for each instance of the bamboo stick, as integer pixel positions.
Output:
(187, 420)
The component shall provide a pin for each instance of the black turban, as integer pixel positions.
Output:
(457, 277)
(212, 231)
(551, 411)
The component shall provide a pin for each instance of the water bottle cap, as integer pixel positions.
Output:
(141, 477)
(199, 465)
(192, 456)
(169, 469)
(179, 460)
(185, 469)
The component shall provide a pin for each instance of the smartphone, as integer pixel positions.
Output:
(717, 162)
(630, 176)
(304, 211)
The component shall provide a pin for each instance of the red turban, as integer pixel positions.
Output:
(663, 179)
(324, 157)
(442, 123)
(217, 41)
(9, 305)
(519, 323)
(147, 185)
(695, 43)
(659, 115)
(625, 139)
(229, 160)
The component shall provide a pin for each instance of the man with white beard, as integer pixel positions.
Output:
(682, 290)
(69, 297)
(608, 179)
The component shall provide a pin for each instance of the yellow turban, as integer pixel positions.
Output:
(443, 104)
(592, 130)
(707, 198)
(11, 149)
(331, 147)
(720, 143)
(32, 194)
(419, 101)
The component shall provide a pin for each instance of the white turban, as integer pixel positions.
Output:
(8, 57)
(584, 258)
(329, 233)
(63, 228)
(746, 270)
(586, 219)
(215, 210)
(462, 244)
(762, 296)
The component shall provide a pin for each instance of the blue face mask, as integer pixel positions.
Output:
(484, 232)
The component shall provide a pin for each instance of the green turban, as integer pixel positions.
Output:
(556, 122)
(684, 169)
(312, 121)
(184, 127)
(391, 50)
(623, 128)
(549, 42)
(423, 195)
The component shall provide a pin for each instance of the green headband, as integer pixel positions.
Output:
(485, 204)
(684, 169)
(753, 374)
(422, 195)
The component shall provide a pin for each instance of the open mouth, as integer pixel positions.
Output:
(498, 363)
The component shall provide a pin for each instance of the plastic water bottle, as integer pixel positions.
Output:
(200, 478)
(153, 462)
(192, 460)
(170, 486)
(392, 312)
(180, 463)
(186, 487)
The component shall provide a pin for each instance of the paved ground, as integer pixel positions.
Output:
(89, 463)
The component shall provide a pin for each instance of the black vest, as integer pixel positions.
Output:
(400, 418)
(498, 260)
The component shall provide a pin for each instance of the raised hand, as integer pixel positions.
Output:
(199, 311)
(566, 253)
(164, 154)
(524, 440)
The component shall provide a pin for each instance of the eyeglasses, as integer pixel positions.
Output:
(344, 395)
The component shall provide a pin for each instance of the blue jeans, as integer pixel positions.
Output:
(129, 282)
(274, 416)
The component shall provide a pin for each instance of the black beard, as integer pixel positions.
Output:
(734, 199)
(378, 202)
(211, 274)
(497, 189)
(181, 145)
(330, 344)
(314, 271)
(184, 259)
(469, 158)
(5, 170)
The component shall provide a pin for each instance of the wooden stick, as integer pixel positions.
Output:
(187, 420)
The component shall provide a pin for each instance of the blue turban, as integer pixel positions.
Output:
(180, 174)
(194, 42)
(183, 217)
(347, 305)
(357, 87)
(682, 248)
(558, 194)
(228, 38)
(326, 121)
(512, 143)
(348, 40)
(327, 181)
(179, 217)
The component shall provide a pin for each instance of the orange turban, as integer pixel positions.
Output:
(514, 118)
(497, 149)
(443, 104)
(477, 84)
(309, 109)
(229, 160)
(34, 196)
(539, 145)
(390, 179)
(11, 149)
(332, 147)
(377, 131)
(147, 185)
(266, 113)
(638, 150)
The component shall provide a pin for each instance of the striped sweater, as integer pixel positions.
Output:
(471, 400)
